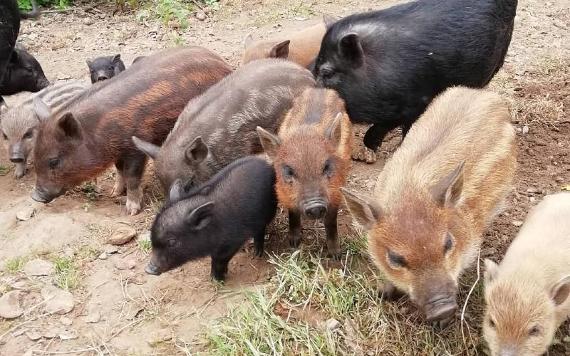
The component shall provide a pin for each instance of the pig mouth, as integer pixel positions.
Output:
(41, 196)
(152, 269)
(43, 83)
(315, 208)
(440, 308)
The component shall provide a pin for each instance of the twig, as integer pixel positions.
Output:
(199, 6)
(469, 295)
(56, 11)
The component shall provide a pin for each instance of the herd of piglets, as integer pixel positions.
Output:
(229, 145)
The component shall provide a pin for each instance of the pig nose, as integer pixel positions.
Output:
(315, 210)
(508, 351)
(152, 269)
(441, 307)
(42, 196)
(17, 158)
(101, 78)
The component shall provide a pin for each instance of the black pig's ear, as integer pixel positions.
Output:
(269, 142)
(334, 130)
(200, 217)
(280, 50)
(147, 148)
(43, 112)
(176, 191)
(116, 58)
(70, 127)
(448, 191)
(364, 212)
(351, 49)
(89, 63)
(197, 151)
(328, 20)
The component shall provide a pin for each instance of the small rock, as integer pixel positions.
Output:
(58, 301)
(65, 321)
(88, 21)
(559, 179)
(10, 305)
(332, 324)
(102, 256)
(69, 334)
(18, 332)
(33, 335)
(566, 339)
(525, 129)
(26, 213)
(159, 336)
(21, 285)
(532, 190)
(517, 223)
(110, 249)
(93, 317)
(39, 267)
(122, 235)
(30, 352)
(200, 15)
(122, 265)
(49, 333)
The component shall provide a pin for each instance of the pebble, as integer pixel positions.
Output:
(122, 235)
(517, 223)
(10, 305)
(566, 339)
(103, 256)
(332, 324)
(200, 15)
(525, 129)
(26, 213)
(58, 301)
(65, 321)
(39, 267)
(88, 21)
(33, 335)
(110, 249)
(69, 334)
(122, 265)
(93, 317)
(49, 333)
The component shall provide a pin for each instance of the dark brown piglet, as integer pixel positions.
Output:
(219, 126)
(94, 130)
(311, 157)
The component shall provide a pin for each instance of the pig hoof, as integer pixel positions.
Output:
(19, 172)
(334, 253)
(442, 324)
(133, 208)
(389, 292)
(295, 241)
(364, 154)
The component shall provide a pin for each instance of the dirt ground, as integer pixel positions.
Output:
(118, 309)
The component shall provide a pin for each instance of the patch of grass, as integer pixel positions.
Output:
(172, 13)
(66, 273)
(310, 309)
(27, 4)
(15, 265)
(4, 170)
(90, 191)
(144, 245)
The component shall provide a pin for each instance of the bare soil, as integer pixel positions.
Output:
(144, 315)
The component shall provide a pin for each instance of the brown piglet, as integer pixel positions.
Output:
(527, 295)
(93, 131)
(311, 156)
(300, 47)
(436, 196)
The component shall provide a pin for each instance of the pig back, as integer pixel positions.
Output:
(461, 124)
(226, 116)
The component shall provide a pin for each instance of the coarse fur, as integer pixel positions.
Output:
(219, 126)
(389, 64)
(215, 218)
(19, 123)
(527, 294)
(94, 130)
(311, 156)
(106, 67)
(438, 193)
(300, 47)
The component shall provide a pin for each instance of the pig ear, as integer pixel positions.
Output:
(280, 50)
(89, 63)
(43, 112)
(147, 148)
(200, 217)
(491, 271)
(328, 20)
(351, 49)
(70, 127)
(561, 290)
(448, 191)
(269, 142)
(248, 40)
(365, 213)
(197, 151)
(333, 131)
(116, 58)
(176, 191)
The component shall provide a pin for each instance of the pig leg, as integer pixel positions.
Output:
(372, 141)
(258, 242)
(133, 170)
(119, 187)
(20, 169)
(333, 245)
(221, 259)
(294, 228)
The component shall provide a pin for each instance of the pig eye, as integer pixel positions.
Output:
(448, 243)
(171, 242)
(326, 73)
(534, 331)
(53, 163)
(111, 67)
(28, 134)
(396, 261)
(288, 173)
(328, 168)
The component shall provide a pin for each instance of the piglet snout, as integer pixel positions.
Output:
(315, 209)
(152, 269)
(441, 307)
(17, 158)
